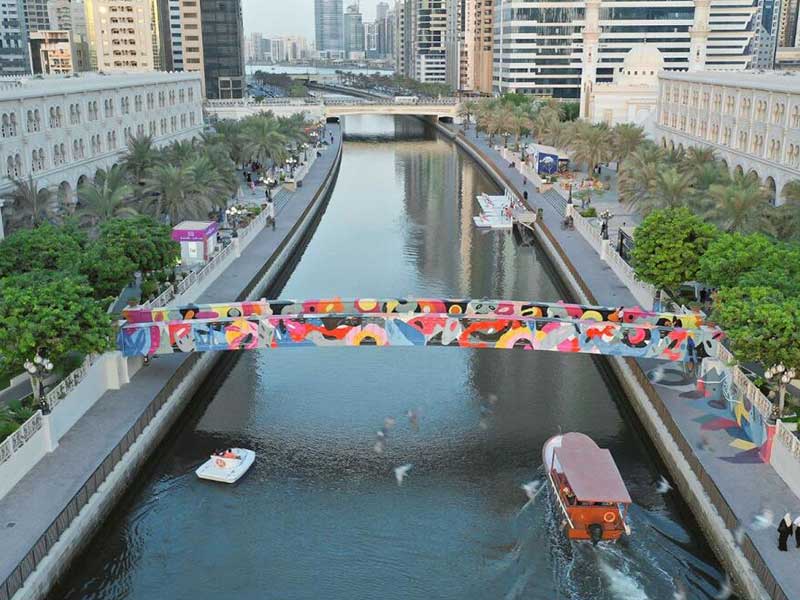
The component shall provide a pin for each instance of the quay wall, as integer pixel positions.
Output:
(162, 414)
(698, 490)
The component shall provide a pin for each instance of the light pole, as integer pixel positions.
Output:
(605, 217)
(37, 369)
(2, 229)
(783, 377)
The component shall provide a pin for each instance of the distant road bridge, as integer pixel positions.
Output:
(441, 108)
(498, 324)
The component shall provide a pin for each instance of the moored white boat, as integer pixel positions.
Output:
(227, 470)
(497, 221)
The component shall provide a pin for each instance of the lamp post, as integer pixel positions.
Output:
(2, 229)
(37, 369)
(305, 152)
(783, 377)
(569, 200)
(605, 217)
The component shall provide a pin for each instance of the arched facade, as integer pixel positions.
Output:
(772, 190)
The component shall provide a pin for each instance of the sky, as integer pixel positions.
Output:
(291, 17)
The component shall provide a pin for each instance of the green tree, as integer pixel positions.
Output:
(625, 140)
(107, 269)
(591, 145)
(172, 192)
(265, 141)
(466, 110)
(140, 157)
(47, 248)
(31, 203)
(106, 197)
(149, 245)
(669, 244)
(762, 324)
(670, 188)
(740, 206)
(735, 260)
(53, 313)
(571, 111)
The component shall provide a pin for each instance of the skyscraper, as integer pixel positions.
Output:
(435, 36)
(381, 11)
(37, 17)
(329, 25)
(120, 34)
(223, 48)
(183, 47)
(476, 50)
(353, 32)
(766, 40)
(560, 51)
(14, 49)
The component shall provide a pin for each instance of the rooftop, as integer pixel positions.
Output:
(15, 88)
(774, 81)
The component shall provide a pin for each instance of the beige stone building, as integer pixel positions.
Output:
(476, 48)
(120, 35)
(750, 119)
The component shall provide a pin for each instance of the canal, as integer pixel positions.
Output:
(320, 514)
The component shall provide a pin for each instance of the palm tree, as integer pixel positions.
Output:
(173, 191)
(31, 203)
(740, 206)
(696, 156)
(591, 145)
(625, 139)
(105, 198)
(637, 173)
(670, 188)
(208, 183)
(465, 111)
(520, 121)
(232, 134)
(547, 121)
(181, 151)
(141, 156)
(786, 220)
(265, 142)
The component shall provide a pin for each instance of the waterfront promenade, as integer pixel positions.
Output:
(29, 509)
(747, 485)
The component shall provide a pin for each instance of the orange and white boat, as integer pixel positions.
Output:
(588, 487)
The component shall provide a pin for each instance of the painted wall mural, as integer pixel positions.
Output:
(495, 324)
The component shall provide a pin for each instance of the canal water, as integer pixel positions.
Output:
(320, 515)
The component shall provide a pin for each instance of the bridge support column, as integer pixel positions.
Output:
(115, 370)
(237, 249)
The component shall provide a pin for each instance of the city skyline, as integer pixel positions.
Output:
(295, 18)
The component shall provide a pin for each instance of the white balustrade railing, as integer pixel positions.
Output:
(69, 383)
(786, 437)
(750, 391)
(163, 299)
(589, 231)
(17, 439)
(643, 292)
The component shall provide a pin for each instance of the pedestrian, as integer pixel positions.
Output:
(267, 194)
(525, 195)
(784, 531)
(524, 181)
(271, 211)
(797, 531)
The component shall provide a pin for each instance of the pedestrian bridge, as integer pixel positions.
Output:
(441, 108)
(498, 324)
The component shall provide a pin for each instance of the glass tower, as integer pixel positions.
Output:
(329, 22)
(223, 48)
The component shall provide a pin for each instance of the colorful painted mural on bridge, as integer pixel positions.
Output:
(497, 324)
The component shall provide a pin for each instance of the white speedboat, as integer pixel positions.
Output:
(496, 221)
(493, 204)
(227, 470)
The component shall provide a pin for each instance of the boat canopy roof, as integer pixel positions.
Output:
(591, 472)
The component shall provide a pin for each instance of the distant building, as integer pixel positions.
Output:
(751, 120)
(37, 15)
(120, 35)
(476, 52)
(54, 53)
(13, 33)
(385, 35)
(766, 40)
(563, 51)
(404, 38)
(223, 48)
(329, 28)
(278, 50)
(353, 32)
(183, 46)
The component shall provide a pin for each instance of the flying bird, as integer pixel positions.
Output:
(763, 520)
(663, 486)
(401, 471)
(531, 489)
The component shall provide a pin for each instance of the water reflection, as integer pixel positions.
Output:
(320, 515)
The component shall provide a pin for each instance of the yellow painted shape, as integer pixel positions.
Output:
(742, 444)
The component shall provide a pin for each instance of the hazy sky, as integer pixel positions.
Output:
(291, 17)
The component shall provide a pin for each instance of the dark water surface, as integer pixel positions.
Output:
(320, 514)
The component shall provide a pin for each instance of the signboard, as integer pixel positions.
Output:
(194, 232)
(546, 164)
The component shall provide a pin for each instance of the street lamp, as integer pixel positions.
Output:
(2, 230)
(783, 377)
(605, 217)
(305, 152)
(37, 370)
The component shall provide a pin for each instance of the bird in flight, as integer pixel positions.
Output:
(401, 471)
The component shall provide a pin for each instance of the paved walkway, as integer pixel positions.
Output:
(34, 503)
(749, 486)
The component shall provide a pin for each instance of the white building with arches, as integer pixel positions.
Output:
(751, 119)
(62, 129)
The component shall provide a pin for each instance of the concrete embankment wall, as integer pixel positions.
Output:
(190, 372)
(697, 488)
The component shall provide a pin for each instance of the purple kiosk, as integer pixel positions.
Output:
(198, 241)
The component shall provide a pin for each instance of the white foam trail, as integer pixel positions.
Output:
(622, 585)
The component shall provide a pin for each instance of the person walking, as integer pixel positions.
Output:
(784, 531)
(271, 211)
